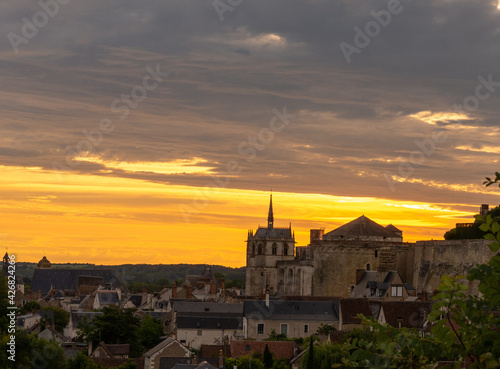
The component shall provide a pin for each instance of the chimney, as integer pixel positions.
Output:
(267, 299)
(174, 290)
(221, 360)
(199, 284)
(213, 288)
(119, 293)
(190, 292)
(359, 274)
(316, 234)
(484, 209)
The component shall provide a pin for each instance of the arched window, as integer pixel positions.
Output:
(259, 249)
(285, 249)
(275, 249)
(253, 249)
(368, 266)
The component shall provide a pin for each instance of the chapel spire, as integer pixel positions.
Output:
(270, 217)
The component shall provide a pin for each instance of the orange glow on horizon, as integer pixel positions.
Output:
(109, 220)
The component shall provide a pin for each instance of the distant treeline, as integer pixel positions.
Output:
(147, 276)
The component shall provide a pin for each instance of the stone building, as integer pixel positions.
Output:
(331, 263)
(327, 266)
(271, 262)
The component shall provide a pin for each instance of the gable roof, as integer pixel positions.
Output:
(202, 365)
(280, 349)
(392, 228)
(350, 308)
(107, 297)
(409, 314)
(292, 310)
(165, 343)
(115, 349)
(360, 227)
(373, 280)
(67, 279)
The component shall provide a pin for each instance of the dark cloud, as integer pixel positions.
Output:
(353, 121)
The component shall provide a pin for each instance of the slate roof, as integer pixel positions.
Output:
(67, 279)
(209, 322)
(280, 349)
(392, 228)
(360, 227)
(136, 300)
(193, 308)
(88, 280)
(202, 365)
(293, 310)
(371, 279)
(159, 346)
(170, 362)
(108, 297)
(273, 233)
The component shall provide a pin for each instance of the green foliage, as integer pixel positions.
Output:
(29, 307)
(245, 362)
(235, 283)
(61, 317)
(474, 232)
(82, 361)
(275, 336)
(114, 326)
(280, 364)
(128, 365)
(149, 332)
(32, 352)
(490, 181)
(139, 287)
(311, 363)
(268, 360)
(324, 356)
(324, 329)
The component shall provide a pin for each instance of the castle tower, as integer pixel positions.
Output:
(265, 248)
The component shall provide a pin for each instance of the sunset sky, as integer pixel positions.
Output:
(154, 131)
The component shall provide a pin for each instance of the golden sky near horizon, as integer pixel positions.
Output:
(95, 219)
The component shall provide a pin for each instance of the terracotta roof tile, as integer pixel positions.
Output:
(280, 349)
